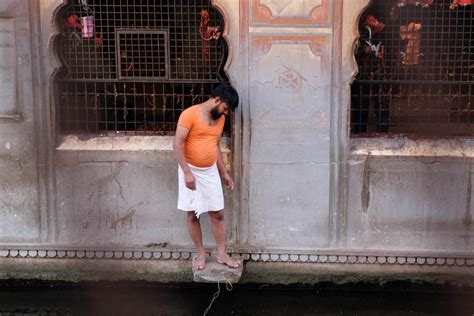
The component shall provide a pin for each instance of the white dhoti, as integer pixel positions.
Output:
(208, 195)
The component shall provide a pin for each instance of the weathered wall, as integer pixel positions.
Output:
(403, 194)
(410, 202)
(121, 197)
(19, 200)
(305, 191)
(116, 191)
(289, 100)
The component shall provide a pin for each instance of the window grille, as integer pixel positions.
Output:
(416, 69)
(132, 66)
(142, 54)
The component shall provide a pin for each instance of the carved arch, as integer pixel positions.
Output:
(111, 67)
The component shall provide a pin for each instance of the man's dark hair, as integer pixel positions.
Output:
(227, 94)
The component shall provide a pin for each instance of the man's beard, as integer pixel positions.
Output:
(215, 114)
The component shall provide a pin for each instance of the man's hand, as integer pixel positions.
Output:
(190, 180)
(228, 182)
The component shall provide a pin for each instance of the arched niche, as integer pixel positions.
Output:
(91, 73)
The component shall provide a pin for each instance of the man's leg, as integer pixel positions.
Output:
(218, 228)
(194, 228)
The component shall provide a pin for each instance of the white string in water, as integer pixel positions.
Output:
(228, 287)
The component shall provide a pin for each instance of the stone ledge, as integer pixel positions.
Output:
(403, 146)
(215, 272)
(161, 271)
(124, 143)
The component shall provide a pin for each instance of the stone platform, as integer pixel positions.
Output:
(215, 272)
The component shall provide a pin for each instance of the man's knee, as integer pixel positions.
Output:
(217, 216)
(192, 218)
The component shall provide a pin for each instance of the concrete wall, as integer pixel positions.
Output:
(20, 213)
(117, 191)
(121, 197)
(289, 110)
(305, 191)
(410, 202)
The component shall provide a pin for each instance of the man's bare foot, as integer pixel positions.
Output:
(225, 259)
(199, 262)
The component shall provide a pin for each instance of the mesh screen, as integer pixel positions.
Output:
(142, 54)
(133, 65)
(416, 69)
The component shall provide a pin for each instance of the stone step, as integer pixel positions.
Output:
(215, 272)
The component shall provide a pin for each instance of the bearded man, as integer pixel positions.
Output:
(201, 168)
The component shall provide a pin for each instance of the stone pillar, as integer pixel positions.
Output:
(288, 164)
(19, 199)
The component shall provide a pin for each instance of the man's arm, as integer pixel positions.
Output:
(178, 148)
(228, 181)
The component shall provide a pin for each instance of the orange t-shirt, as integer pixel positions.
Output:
(200, 146)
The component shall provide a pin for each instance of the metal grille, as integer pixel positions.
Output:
(139, 108)
(416, 69)
(142, 54)
(132, 66)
